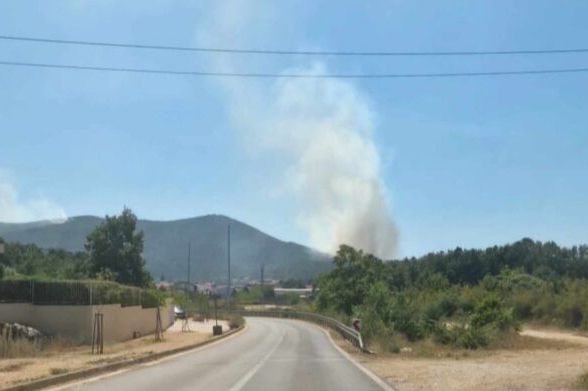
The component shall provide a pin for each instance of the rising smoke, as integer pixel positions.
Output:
(15, 209)
(322, 131)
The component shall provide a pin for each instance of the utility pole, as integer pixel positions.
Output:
(229, 266)
(189, 261)
(262, 270)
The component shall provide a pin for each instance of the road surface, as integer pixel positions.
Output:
(271, 354)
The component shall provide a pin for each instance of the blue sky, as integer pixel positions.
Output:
(464, 161)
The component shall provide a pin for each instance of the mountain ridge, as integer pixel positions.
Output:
(166, 246)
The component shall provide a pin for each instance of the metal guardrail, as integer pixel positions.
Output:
(346, 332)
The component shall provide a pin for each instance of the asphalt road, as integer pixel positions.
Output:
(271, 354)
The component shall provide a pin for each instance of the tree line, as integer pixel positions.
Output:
(114, 252)
(465, 298)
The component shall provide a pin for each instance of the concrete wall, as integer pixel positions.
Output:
(17, 312)
(121, 323)
(76, 321)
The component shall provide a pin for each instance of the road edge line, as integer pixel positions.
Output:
(119, 367)
(378, 380)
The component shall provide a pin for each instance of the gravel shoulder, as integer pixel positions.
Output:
(553, 361)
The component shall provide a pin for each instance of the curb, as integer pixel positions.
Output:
(90, 372)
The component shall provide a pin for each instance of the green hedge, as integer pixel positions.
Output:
(15, 291)
(76, 293)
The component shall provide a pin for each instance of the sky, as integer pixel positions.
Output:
(468, 162)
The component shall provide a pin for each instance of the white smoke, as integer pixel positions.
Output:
(322, 131)
(13, 209)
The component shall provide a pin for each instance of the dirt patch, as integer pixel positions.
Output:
(557, 335)
(17, 371)
(539, 360)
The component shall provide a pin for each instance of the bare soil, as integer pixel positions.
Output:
(541, 359)
(60, 360)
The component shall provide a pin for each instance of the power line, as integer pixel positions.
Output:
(296, 75)
(295, 52)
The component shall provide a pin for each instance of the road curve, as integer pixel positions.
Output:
(271, 354)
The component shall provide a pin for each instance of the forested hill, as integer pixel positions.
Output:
(166, 247)
(543, 259)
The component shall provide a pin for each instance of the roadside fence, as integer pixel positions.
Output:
(75, 293)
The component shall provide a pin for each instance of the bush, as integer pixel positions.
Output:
(235, 321)
(15, 291)
(405, 318)
(292, 298)
(572, 314)
(461, 336)
(491, 312)
(467, 299)
(446, 306)
(472, 337)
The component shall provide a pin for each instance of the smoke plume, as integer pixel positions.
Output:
(321, 130)
(14, 209)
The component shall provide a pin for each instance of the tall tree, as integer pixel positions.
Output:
(116, 250)
(3, 260)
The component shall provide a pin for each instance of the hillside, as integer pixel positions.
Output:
(166, 247)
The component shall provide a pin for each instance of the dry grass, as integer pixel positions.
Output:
(582, 382)
(38, 364)
(552, 361)
(517, 341)
(14, 366)
(18, 348)
(428, 348)
(22, 348)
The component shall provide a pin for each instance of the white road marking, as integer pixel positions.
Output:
(241, 383)
(78, 383)
(370, 374)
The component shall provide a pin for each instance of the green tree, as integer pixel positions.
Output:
(116, 247)
(347, 284)
(2, 258)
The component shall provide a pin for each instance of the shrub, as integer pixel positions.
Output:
(15, 291)
(58, 371)
(472, 337)
(491, 312)
(523, 305)
(461, 336)
(292, 299)
(582, 382)
(446, 306)
(571, 313)
(405, 318)
(235, 321)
